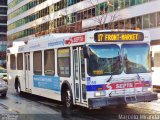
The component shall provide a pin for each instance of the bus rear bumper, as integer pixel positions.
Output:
(116, 100)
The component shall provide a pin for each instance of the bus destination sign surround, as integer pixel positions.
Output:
(118, 36)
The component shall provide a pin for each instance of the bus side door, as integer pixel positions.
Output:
(79, 76)
(27, 72)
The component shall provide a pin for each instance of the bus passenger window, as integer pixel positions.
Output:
(49, 62)
(63, 62)
(20, 61)
(156, 59)
(37, 63)
(13, 62)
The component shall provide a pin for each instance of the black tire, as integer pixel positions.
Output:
(121, 106)
(18, 89)
(67, 98)
(4, 94)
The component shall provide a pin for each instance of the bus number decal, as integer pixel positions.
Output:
(91, 82)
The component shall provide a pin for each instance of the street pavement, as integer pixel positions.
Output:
(5, 110)
(31, 107)
(7, 113)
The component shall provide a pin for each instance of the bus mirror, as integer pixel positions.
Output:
(85, 52)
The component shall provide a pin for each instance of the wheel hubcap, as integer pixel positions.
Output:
(68, 98)
(18, 89)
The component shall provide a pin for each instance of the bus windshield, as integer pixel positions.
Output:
(104, 60)
(136, 58)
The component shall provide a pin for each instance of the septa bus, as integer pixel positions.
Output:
(92, 69)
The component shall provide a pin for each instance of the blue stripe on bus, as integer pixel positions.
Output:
(93, 87)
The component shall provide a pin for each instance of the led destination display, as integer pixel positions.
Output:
(118, 36)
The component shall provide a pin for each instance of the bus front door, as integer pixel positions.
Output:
(79, 76)
(27, 72)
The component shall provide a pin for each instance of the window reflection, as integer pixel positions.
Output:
(104, 60)
(136, 58)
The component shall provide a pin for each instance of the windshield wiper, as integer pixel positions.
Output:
(110, 78)
(138, 76)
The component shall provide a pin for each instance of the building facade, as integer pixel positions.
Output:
(3, 31)
(32, 18)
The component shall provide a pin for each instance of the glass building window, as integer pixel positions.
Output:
(133, 23)
(127, 4)
(127, 24)
(3, 28)
(145, 1)
(138, 1)
(115, 4)
(93, 12)
(3, 19)
(101, 8)
(132, 2)
(152, 22)
(78, 16)
(158, 19)
(3, 2)
(121, 4)
(110, 5)
(146, 21)
(121, 24)
(89, 13)
(139, 22)
(70, 2)
(3, 10)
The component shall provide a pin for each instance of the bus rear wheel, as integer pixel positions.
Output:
(4, 94)
(67, 99)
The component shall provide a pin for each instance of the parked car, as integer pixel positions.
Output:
(3, 74)
(3, 88)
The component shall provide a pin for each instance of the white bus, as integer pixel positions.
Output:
(93, 69)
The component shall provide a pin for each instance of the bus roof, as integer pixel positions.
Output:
(70, 39)
(51, 36)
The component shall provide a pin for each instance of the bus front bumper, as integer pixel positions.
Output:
(117, 100)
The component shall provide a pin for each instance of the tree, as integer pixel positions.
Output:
(68, 17)
(102, 16)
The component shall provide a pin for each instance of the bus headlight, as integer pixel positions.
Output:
(99, 93)
(146, 89)
(149, 89)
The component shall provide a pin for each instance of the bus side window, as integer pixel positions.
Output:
(63, 62)
(19, 61)
(37, 63)
(12, 62)
(156, 59)
(49, 62)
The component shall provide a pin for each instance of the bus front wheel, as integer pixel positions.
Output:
(67, 99)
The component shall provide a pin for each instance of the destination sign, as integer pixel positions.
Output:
(118, 36)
